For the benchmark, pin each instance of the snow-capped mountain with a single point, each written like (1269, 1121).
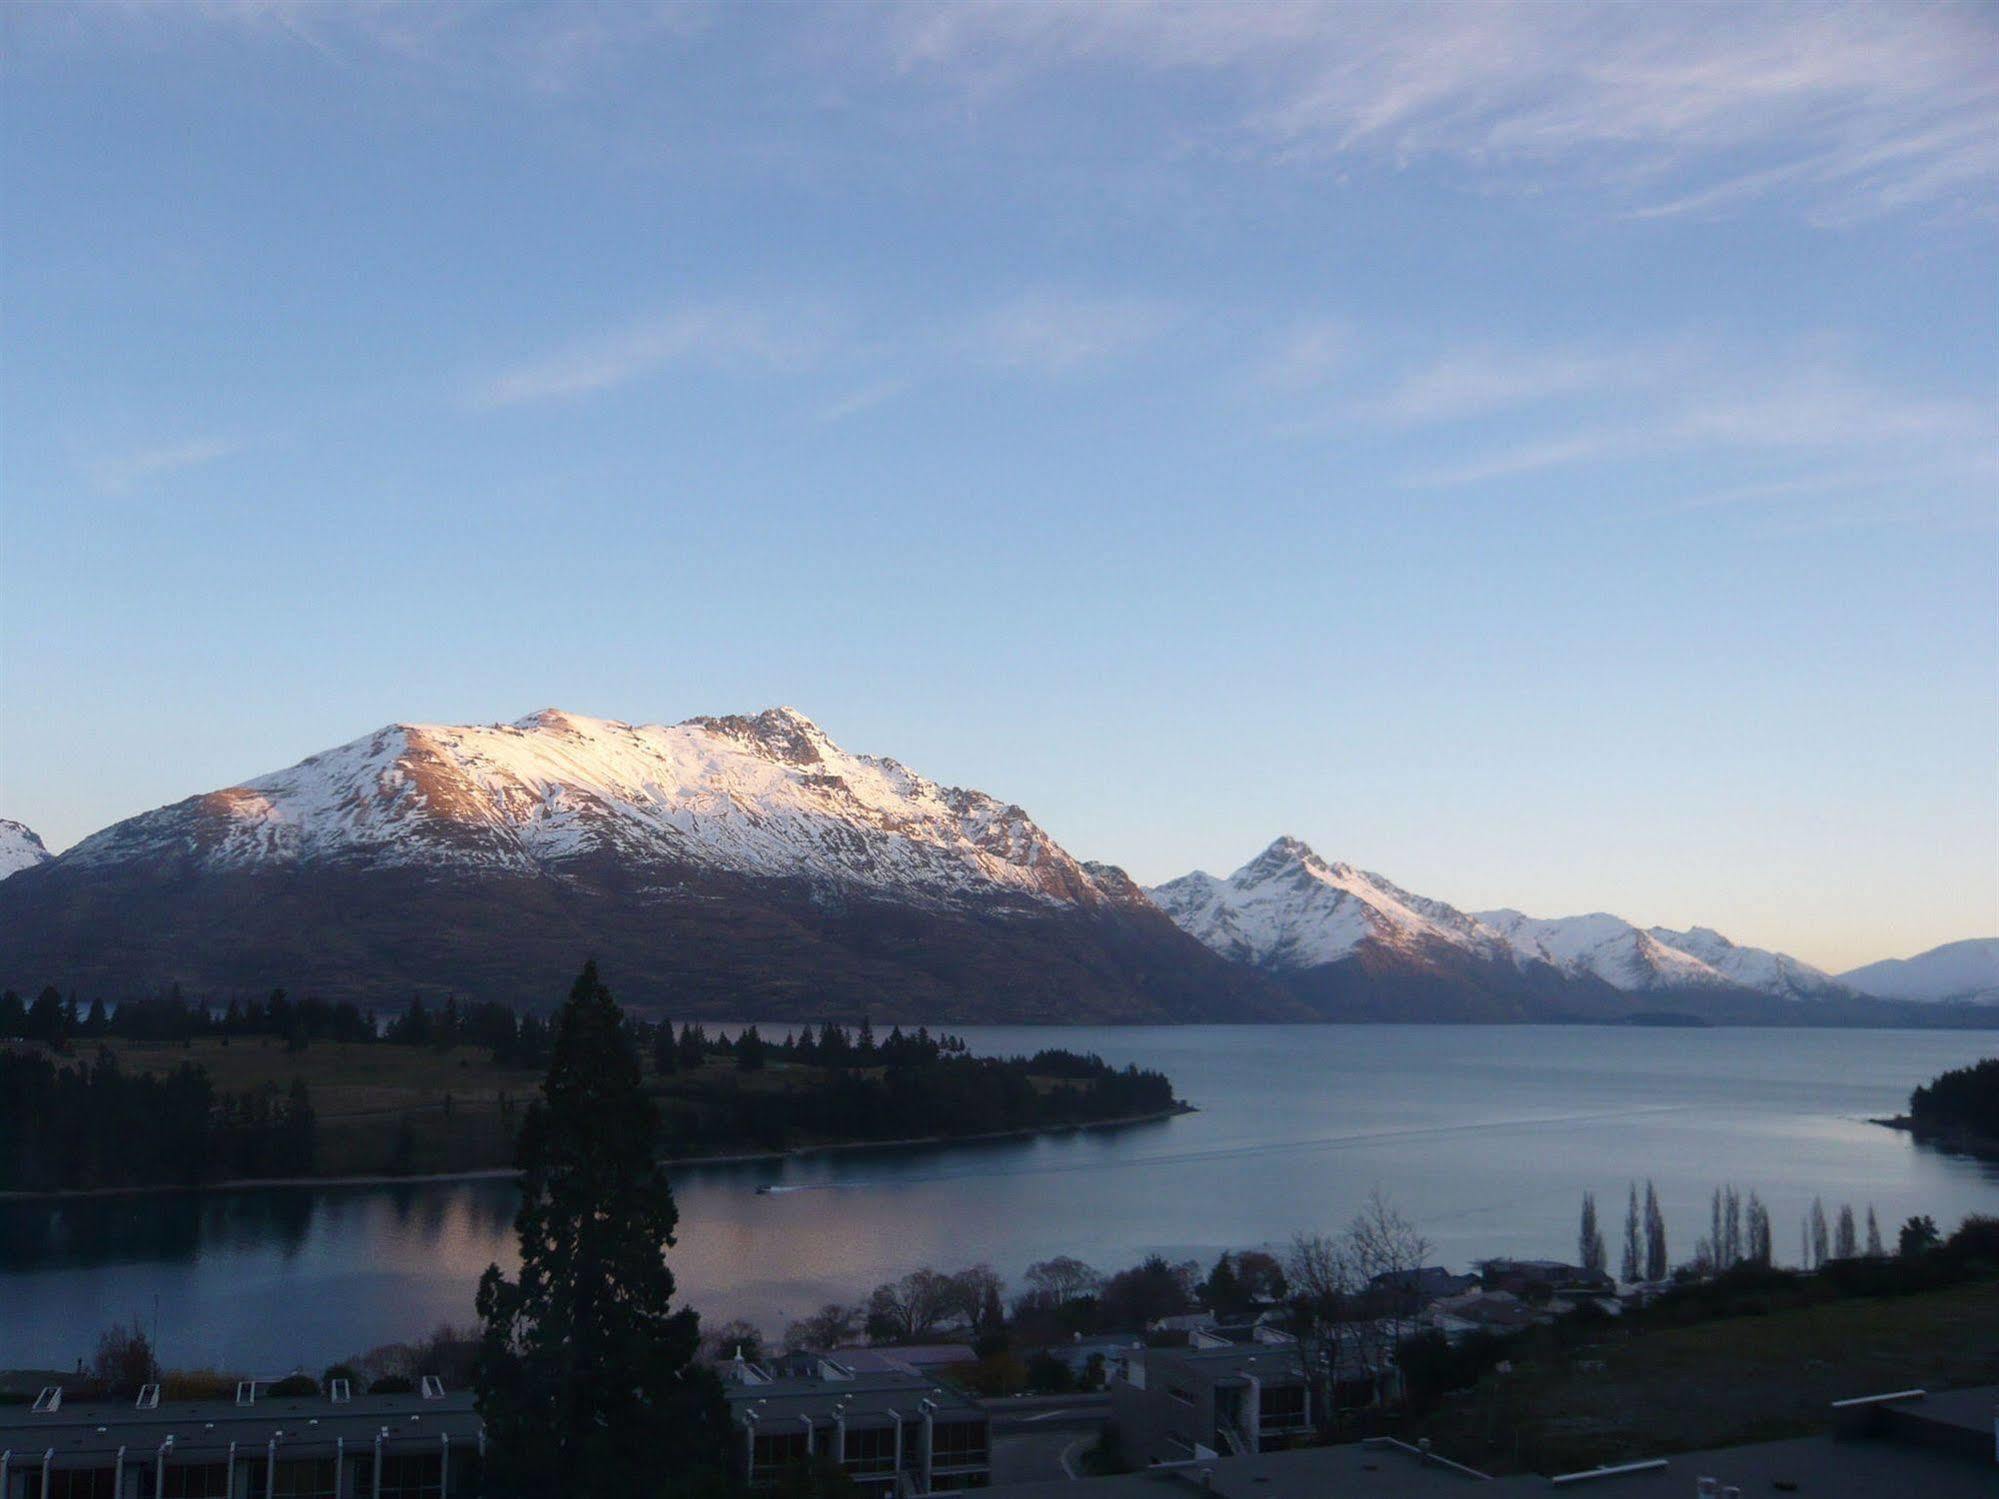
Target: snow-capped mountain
(1288, 911)
(20, 847)
(722, 866)
(763, 796)
(1962, 971)
(1638, 959)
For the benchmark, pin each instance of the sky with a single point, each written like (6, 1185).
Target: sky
(1544, 454)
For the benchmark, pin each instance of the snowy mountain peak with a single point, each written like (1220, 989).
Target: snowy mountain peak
(1289, 910)
(1958, 971)
(20, 847)
(766, 794)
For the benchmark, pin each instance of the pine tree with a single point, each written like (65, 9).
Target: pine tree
(1657, 1263)
(587, 1376)
(1634, 1254)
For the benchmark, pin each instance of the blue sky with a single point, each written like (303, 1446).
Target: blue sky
(1544, 454)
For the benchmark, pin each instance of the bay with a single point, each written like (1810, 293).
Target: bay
(1485, 1136)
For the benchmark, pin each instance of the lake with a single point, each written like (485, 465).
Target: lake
(1485, 1136)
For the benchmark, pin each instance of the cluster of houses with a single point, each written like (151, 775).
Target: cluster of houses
(1220, 1406)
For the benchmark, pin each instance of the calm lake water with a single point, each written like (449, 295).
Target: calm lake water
(1486, 1136)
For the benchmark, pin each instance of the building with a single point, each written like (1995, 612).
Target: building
(894, 1432)
(425, 1445)
(1177, 1404)
(1909, 1443)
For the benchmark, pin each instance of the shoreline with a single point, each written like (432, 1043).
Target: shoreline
(1952, 1141)
(497, 1173)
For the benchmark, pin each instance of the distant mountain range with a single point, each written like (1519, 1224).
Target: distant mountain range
(1959, 971)
(750, 866)
(1353, 943)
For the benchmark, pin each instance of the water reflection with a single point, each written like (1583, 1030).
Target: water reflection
(1486, 1137)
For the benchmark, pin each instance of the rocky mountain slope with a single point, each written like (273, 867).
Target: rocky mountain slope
(1957, 971)
(20, 847)
(722, 866)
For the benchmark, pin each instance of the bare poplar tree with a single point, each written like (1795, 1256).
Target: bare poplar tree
(1657, 1263)
(1731, 1229)
(1757, 1232)
(1634, 1255)
(1590, 1250)
(1874, 1249)
(1821, 1250)
(1845, 1242)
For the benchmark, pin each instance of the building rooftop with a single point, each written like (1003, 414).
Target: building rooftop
(871, 1393)
(1308, 1473)
(1265, 1359)
(305, 1425)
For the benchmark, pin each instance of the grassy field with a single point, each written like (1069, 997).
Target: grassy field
(1752, 1378)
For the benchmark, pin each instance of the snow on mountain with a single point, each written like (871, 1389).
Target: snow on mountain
(1288, 909)
(765, 795)
(20, 847)
(1752, 967)
(1956, 971)
(1607, 946)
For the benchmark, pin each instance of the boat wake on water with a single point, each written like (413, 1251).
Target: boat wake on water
(1232, 1152)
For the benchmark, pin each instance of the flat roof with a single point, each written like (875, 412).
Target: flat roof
(303, 1426)
(1818, 1467)
(1822, 1467)
(1306, 1473)
(1237, 1359)
(867, 1396)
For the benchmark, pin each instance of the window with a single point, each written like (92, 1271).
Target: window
(776, 1451)
(81, 1483)
(196, 1481)
(871, 1451)
(959, 1444)
(1284, 1406)
(307, 1478)
(413, 1475)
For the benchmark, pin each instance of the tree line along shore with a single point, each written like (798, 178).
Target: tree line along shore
(163, 1093)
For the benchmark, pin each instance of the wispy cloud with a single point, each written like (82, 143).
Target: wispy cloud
(1057, 333)
(535, 48)
(860, 399)
(121, 473)
(1605, 407)
(719, 336)
(1691, 108)
(1307, 355)
(1479, 382)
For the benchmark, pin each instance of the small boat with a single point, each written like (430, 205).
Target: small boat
(763, 1191)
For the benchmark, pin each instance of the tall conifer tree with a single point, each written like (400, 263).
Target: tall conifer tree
(587, 1378)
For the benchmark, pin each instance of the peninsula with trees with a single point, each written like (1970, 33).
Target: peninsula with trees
(166, 1093)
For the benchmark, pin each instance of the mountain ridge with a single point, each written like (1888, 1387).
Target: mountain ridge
(731, 861)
